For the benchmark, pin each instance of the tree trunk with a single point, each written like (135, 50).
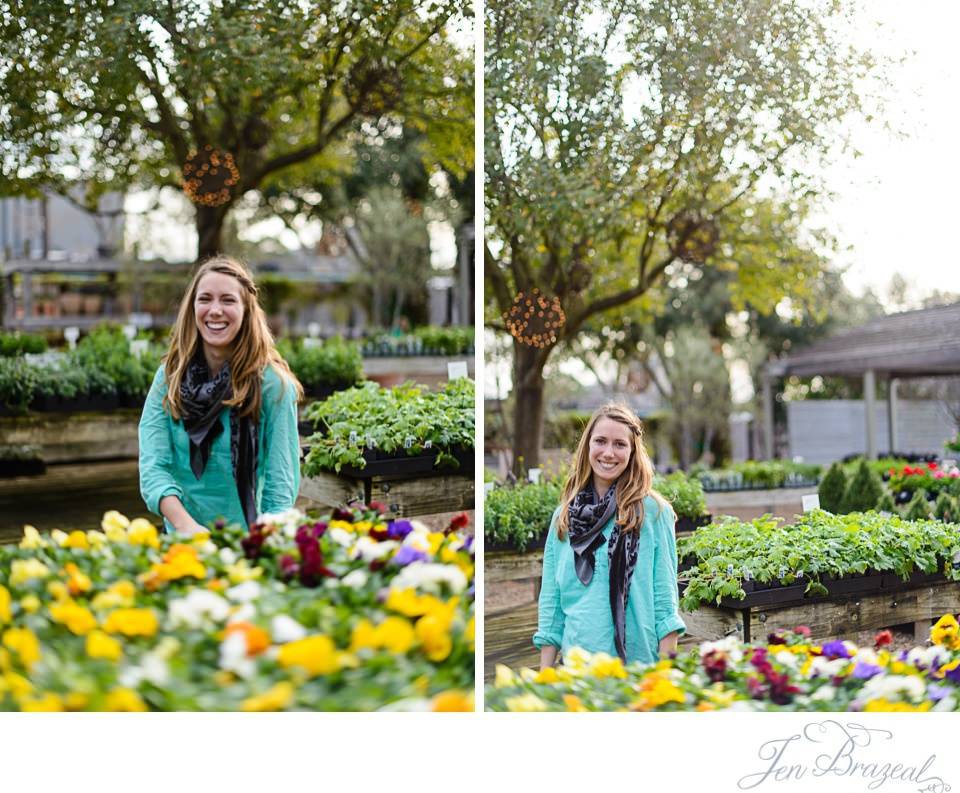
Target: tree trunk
(528, 389)
(210, 230)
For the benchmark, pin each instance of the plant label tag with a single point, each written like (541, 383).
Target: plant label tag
(310, 343)
(353, 437)
(408, 442)
(533, 475)
(456, 369)
(371, 443)
(428, 444)
(138, 347)
(811, 502)
(488, 487)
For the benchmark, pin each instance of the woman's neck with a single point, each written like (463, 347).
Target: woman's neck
(600, 487)
(215, 358)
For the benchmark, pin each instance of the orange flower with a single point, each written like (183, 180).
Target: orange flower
(257, 638)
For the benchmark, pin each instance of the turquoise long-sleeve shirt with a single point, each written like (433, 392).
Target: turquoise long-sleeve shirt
(165, 457)
(573, 615)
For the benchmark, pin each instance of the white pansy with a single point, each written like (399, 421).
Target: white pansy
(867, 655)
(152, 669)
(286, 629)
(824, 694)
(948, 704)
(287, 521)
(788, 659)
(196, 607)
(356, 579)
(730, 647)
(206, 548)
(228, 556)
(244, 613)
(928, 656)
(824, 667)
(341, 537)
(430, 576)
(892, 686)
(245, 592)
(233, 655)
(368, 549)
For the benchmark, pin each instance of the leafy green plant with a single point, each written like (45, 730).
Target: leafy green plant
(17, 380)
(758, 474)
(684, 493)
(405, 420)
(887, 504)
(833, 489)
(729, 552)
(946, 508)
(14, 344)
(516, 516)
(919, 507)
(445, 340)
(334, 363)
(864, 490)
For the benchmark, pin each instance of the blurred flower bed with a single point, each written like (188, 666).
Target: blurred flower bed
(787, 673)
(348, 612)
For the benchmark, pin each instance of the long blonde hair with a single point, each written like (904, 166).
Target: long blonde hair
(253, 347)
(634, 483)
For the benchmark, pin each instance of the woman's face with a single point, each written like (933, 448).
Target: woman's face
(611, 444)
(218, 310)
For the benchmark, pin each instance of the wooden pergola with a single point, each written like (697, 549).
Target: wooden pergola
(922, 343)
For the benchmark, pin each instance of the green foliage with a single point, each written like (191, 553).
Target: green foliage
(757, 474)
(729, 552)
(946, 508)
(402, 420)
(519, 515)
(864, 490)
(17, 381)
(334, 362)
(833, 489)
(12, 344)
(562, 430)
(684, 493)
(445, 339)
(919, 507)
(887, 504)
(104, 355)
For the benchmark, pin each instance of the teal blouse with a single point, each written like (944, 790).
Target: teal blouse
(165, 457)
(573, 615)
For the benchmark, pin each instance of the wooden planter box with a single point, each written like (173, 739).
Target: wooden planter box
(405, 496)
(508, 632)
(845, 610)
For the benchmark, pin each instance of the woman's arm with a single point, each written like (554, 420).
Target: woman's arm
(173, 510)
(281, 461)
(550, 617)
(666, 600)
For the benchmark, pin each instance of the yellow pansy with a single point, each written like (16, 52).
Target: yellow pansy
(469, 632)
(77, 540)
(395, 634)
(132, 622)
(118, 595)
(17, 685)
(547, 675)
(58, 537)
(23, 570)
(142, 532)
(125, 700)
(363, 527)
(77, 619)
(100, 645)
(5, 600)
(180, 561)
(242, 571)
(278, 697)
(47, 703)
(24, 643)
(525, 703)
(433, 633)
(657, 689)
(884, 705)
(603, 665)
(435, 540)
(58, 590)
(718, 695)
(78, 582)
(114, 525)
(503, 676)
(30, 604)
(452, 702)
(75, 701)
(32, 539)
(410, 604)
(340, 524)
(317, 655)
(946, 632)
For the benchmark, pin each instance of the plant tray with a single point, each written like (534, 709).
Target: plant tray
(687, 524)
(535, 544)
(402, 465)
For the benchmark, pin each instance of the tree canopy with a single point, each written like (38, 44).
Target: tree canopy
(110, 94)
(627, 137)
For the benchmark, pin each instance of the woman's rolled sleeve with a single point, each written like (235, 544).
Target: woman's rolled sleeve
(550, 619)
(282, 445)
(156, 451)
(666, 601)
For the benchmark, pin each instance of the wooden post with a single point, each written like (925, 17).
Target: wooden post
(768, 445)
(893, 435)
(869, 406)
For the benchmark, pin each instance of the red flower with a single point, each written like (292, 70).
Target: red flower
(715, 664)
(457, 522)
(882, 639)
(802, 630)
(378, 506)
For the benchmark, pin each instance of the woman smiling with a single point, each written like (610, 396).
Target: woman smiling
(218, 434)
(610, 561)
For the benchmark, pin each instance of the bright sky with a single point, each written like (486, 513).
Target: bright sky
(897, 204)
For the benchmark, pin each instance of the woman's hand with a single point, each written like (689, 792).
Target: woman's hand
(548, 656)
(173, 510)
(668, 644)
